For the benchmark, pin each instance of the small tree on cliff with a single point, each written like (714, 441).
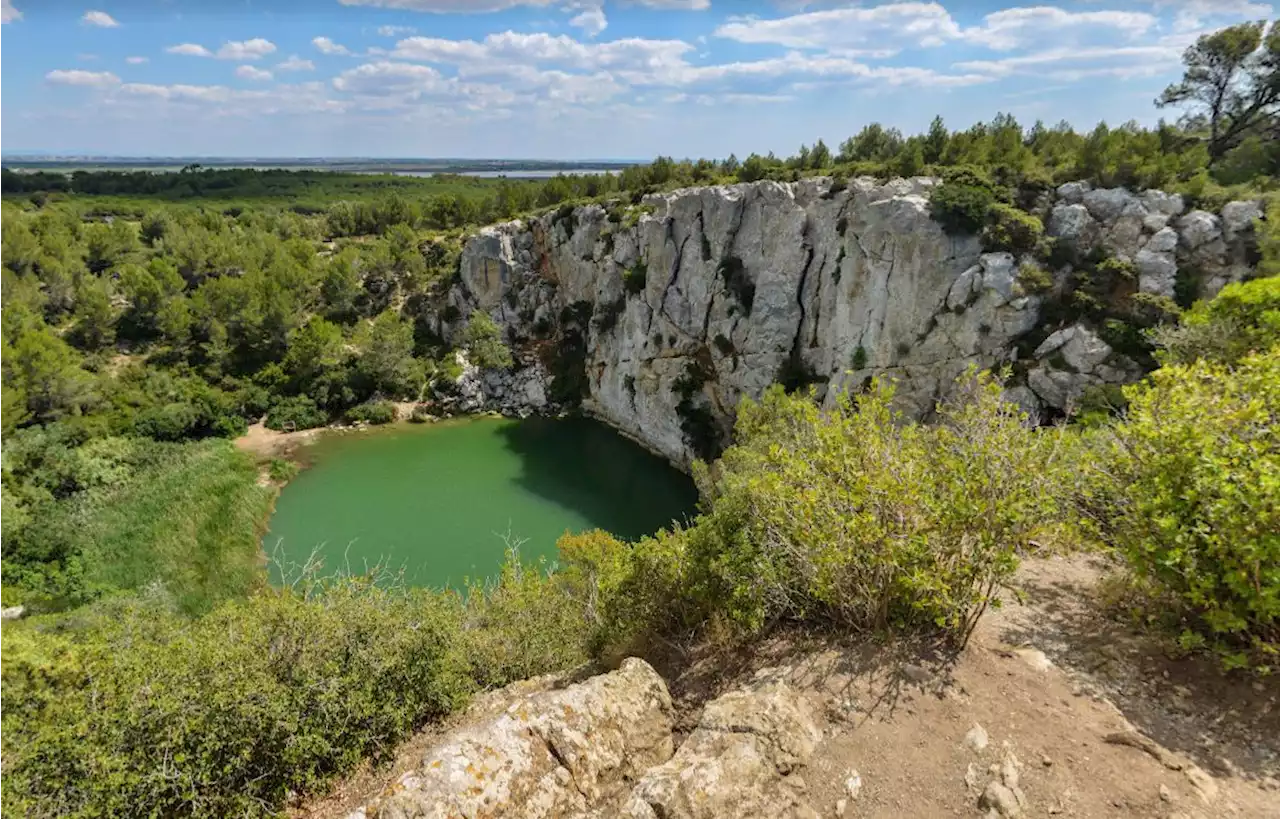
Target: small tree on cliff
(1231, 86)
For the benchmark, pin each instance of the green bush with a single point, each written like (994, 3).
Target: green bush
(521, 624)
(1190, 497)
(483, 342)
(1012, 230)
(1034, 279)
(282, 471)
(373, 412)
(298, 412)
(847, 517)
(960, 207)
(1243, 318)
(634, 278)
(136, 711)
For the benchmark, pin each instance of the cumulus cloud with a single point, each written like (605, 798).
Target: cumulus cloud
(99, 18)
(592, 21)
(254, 49)
(1021, 27)
(189, 50)
(8, 13)
(883, 30)
(87, 79)
(295, 63)
(326, 46)
(241, 50)
(249, 72)
(135, 60)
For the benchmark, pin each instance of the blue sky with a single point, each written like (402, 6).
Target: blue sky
(568, 79)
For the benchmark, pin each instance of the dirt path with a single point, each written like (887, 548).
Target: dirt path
(268, 443)
(1092, 718)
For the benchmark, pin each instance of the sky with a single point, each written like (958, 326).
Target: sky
(568, 79)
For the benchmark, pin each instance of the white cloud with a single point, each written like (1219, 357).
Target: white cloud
(135, 60)
(1071, 64)
(88, 79)
(882, 30)
(189, 50)
(879, 28)
(8, 13)
(1020, 27)
(240, 50)
(248, 72)
(327, 46)
(395, 31)
(295, 63)
(538, 48)
(592, 21)
(100, 19)
(1195, 16)
(254, 49)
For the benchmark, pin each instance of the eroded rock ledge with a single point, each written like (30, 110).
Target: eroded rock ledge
(663, 315)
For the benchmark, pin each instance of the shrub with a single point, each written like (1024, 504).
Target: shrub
(282, 471)
(634, 278)
(298, 412)
(421, 414)
(483, 342)
(1011, 229)
(846, 517)
(859, 359)
(141, 712)
(1033, 278)
(377, 411)
(961, 207)
(522, 624)
(1190, 497)
(1243, 318)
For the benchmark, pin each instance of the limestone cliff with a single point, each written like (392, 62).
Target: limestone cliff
(662, 316)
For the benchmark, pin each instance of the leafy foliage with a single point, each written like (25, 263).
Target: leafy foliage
(483, 341)
(1243, 318)
(1190, 496)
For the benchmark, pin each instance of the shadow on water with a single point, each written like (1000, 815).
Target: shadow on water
(584, 466)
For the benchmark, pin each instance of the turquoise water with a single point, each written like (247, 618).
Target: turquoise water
(437, 500)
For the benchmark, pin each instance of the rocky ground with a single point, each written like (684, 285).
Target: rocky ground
(1054, 709)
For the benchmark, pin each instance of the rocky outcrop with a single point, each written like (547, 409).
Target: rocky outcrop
(663, 315)
(550, 755)
(604, 748)
(743, 759)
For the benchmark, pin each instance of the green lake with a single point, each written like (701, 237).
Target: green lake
(436, 500)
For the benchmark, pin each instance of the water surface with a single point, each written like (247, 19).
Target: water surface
(437, 499)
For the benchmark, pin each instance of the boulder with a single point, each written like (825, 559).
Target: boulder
(550, 754)
(1073, 192)
(1106, 204)
(1073, 227)
(1198, 229)
(743, 759)
(1238, 218)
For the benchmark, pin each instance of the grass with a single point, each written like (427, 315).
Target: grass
(192, 522)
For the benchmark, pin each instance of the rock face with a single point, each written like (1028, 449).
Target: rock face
(550, 755)
(604, 748)
(664, 315)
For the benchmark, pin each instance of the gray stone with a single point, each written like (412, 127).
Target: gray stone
(1073, 192)
(1073, 227)
(741, 760)
(1238, 217)
(1199, 228)
(1106, 204)
(1167, 204)
(550, 754)
(976, 739)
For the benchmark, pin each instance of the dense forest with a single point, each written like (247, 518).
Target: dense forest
(149, 318)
